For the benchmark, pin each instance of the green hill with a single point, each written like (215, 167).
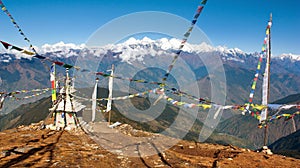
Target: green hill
(288, 146)
(245, 127)
(26, 114)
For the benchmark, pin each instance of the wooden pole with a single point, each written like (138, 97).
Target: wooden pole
(109, 112)
(109, 116)
(294, 125)
(268, 93)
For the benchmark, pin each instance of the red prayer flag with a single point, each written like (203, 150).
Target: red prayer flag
(6, 45)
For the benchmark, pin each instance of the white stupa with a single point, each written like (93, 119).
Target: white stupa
(66, 108)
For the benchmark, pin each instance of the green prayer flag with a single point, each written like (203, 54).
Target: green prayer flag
(68, 66)
(16, 48)
(203, 2)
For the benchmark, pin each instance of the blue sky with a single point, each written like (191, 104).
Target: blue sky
(231, 23)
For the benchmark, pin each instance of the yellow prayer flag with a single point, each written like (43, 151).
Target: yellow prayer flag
(180, 103)
(258, 107)
(53, 95)
(28, 52)
(205, 106)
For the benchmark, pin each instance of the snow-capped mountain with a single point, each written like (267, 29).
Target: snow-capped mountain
(135, 49)
(291, 57)
(130, 50)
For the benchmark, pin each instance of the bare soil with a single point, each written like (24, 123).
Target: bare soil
(29, 146)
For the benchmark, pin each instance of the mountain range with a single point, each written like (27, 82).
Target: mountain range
(20, 72)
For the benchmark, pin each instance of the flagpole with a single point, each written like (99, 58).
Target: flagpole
(94, 100)
(268, 91)
(66, 96)
(110, 94)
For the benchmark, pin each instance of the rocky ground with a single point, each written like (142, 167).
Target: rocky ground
(100, 146)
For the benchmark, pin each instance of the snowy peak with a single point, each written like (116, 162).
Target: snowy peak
(173, 44)
(131, 49)
(290, 56)
(163, 43)
(136, 49)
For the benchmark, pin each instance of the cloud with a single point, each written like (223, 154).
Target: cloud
(60, 46)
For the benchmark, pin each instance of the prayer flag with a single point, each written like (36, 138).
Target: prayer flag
(53, 82)
(203, 2)
(16, 48)
(67, 66)
(6, 45)
(110, 90)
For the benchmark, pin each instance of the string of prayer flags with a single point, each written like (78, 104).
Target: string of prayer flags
(62, 64)
(183, 41)
(287, 117)
(23, 91)
(31, 96)
(262, 54)
(117, 98)
(129, 79)
(4, 95)
(59, 63)
(12, 47)
(4, 9)
(255, 108)
(277, 117)
(187, 105)
(266, 76)
(181, 93)
(155, 91)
